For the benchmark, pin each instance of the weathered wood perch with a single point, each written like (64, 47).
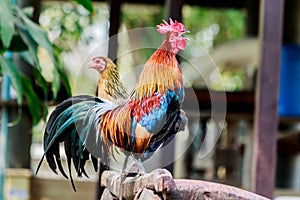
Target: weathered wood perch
(159, 184)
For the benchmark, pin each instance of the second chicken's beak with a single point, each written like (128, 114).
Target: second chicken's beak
(91, 65)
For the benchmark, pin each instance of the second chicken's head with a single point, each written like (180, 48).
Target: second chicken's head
(98, 63)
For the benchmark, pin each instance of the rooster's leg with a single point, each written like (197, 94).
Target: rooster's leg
(123, 176)
(136, 167)
(140, 165)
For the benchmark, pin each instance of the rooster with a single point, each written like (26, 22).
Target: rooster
(91, 127)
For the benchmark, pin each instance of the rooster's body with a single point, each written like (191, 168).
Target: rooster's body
(139, 125)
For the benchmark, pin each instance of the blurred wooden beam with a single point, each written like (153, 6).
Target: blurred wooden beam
(236, 102)
(265, 122)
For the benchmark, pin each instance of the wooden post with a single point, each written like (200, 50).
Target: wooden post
(252, 7)
(265, 122)
(174, 9)
(114, 23)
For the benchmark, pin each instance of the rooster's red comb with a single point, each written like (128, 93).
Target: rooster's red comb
(164, 27)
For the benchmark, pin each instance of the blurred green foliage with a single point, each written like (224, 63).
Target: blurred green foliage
(209, 27)
(138, 16)
(219, 25)
(71, 29)
(222, 24)
(66, 22)
(20, 35)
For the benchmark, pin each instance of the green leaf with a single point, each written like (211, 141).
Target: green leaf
(26, 56)
(6, 22)
(39, 78)
(65, 82)
(34, 36)
(87, 4)
(28, 11)
(36, 32)
(32, 48)
(31, 57)
(33, 100)
(11, 70)
(42, 82)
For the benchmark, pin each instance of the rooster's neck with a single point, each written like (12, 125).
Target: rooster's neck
(164, 56)
(161, 71)
(166, 46)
